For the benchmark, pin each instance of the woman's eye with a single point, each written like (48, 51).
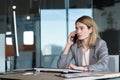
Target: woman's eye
(76, 28)
(81, 28)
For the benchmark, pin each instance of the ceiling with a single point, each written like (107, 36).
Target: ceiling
(22, 6)
(32, 6)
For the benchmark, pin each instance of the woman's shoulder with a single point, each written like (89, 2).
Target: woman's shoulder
(100, 42)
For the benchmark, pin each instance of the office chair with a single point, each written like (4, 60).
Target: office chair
(113, 63)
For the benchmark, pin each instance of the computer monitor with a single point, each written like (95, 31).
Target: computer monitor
(2, 53)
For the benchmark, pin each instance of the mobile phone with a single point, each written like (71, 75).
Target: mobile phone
(75, 38)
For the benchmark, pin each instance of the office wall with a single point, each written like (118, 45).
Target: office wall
(108, 22)
(107, 17)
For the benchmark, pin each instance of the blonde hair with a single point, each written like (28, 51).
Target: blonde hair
(90, 23)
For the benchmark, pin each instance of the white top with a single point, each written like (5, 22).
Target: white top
(85, 58)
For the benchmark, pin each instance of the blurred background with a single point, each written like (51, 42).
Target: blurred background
(43, 27)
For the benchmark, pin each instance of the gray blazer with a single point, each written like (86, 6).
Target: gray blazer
(98, 60)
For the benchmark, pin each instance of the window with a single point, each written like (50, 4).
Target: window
(28, 37)
(8, 38)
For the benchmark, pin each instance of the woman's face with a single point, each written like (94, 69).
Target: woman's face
(82, 31)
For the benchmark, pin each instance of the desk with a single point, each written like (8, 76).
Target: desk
(52, 76)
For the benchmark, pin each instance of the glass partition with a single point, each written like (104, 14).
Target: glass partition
(53, 34)
(57, 21)
(27, 19)
(50, 21)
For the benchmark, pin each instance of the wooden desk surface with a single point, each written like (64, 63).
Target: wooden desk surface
(52, 76)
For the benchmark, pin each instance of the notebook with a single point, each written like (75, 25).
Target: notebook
(57, 70)
(75, 75)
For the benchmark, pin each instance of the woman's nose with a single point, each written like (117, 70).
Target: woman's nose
(78, 31)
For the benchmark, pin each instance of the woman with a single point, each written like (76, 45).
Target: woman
(90, 52)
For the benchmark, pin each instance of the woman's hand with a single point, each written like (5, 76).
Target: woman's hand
(70, 37)
(69, 42)
(72, 66)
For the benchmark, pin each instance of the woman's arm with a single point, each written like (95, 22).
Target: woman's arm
(66, 54)
(100, 61)
(69, 42)
(83, 68)
(102, 57)
(64, 60)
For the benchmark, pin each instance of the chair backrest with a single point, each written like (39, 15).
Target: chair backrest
(25, 60)
(113, 63)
